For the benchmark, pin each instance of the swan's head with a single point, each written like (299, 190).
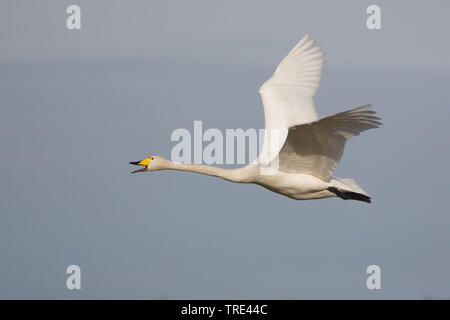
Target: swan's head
(151, 163)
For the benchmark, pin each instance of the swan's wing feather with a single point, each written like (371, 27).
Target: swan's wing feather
(316, 148)
(288, 95)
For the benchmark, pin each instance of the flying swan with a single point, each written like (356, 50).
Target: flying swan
(300, 150)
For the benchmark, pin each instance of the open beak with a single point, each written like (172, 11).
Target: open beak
(144, 163)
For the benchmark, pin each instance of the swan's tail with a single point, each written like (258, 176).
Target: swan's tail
(347, 189)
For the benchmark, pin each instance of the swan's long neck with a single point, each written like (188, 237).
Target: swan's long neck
(243, 175)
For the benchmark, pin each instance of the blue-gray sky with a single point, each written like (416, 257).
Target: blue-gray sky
(77, 106)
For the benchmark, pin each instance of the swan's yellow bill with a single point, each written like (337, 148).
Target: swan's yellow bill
(144, 163)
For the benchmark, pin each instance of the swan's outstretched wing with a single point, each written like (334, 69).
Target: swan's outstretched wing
(316, 148)
(288, 95)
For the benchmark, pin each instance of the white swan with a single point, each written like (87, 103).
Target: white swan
(299, 159)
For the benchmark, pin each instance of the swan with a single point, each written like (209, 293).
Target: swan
(300, 150)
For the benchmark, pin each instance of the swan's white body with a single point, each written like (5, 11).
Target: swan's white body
(296, 185)
(300, 151)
